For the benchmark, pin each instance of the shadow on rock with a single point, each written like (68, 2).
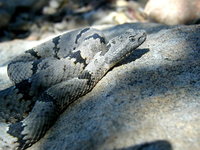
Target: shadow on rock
(137, 54)
(155, 145)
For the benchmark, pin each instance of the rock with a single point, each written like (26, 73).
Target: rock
(17, 17)
(9, 7)
(25, 18)
(173, 12)
(149, 101)
(6, 12)
(31, 5)
(124, 12)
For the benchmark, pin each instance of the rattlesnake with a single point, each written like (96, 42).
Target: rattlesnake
(52, 75)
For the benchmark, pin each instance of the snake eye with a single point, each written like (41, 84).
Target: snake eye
(132, 38)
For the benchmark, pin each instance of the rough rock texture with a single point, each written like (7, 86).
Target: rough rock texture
(149, 101)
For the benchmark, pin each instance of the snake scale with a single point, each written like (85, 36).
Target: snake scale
(49, 77)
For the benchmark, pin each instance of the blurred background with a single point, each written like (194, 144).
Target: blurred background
(37, 19)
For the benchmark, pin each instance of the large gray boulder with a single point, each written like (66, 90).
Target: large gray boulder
(149, 101)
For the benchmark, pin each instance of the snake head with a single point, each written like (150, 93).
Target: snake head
(123, 45)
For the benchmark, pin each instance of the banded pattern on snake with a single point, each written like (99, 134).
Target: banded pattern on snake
(49, 77)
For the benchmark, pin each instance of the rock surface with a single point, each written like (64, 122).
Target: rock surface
(8, 8)
(173, 12)
(149, 101)
(34, 19)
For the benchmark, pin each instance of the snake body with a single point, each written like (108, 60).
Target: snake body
(49, 77)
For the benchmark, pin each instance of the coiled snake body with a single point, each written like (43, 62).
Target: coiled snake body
(52, 75)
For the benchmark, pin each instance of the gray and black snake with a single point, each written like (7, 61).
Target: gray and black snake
(52, 75)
